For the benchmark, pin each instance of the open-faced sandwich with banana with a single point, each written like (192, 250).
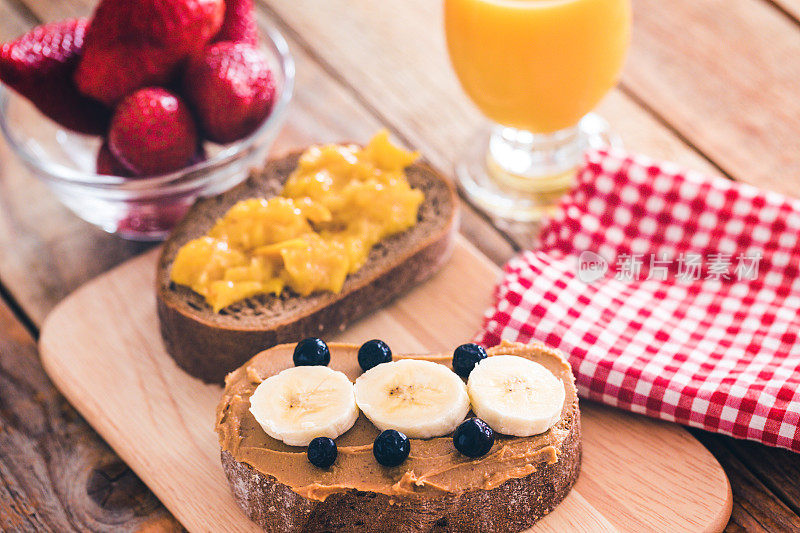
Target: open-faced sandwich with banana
(342, 437)
(306, 245)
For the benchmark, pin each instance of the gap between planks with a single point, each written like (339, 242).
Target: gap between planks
(399, 133)
(789, 8)
(518, 236)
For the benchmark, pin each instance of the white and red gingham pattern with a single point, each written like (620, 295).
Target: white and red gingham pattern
(718, 354)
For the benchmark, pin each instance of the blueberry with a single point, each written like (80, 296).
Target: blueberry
(391, 448)
(311, 352)
(473, 437)
(322, 452)
(372, 353)
(466, 357)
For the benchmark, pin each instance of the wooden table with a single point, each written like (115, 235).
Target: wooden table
(711, 84)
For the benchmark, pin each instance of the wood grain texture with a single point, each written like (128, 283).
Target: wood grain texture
(398, 67)
(56, 474)
(117, 340)
(752, 512)
(776, 468)
(52, 244)
(724, 74)
(393, 56)
(363, 50)
(791, 8)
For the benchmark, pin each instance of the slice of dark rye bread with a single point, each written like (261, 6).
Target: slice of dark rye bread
(267, 497)
(511, 507)
(208, 345)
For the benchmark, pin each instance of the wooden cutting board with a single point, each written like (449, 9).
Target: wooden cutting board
(102, 348)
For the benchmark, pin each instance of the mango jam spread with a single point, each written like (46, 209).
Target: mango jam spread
(338, 203)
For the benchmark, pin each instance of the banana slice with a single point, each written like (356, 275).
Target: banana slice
(304, 402)
(515, 396)
(419, 398)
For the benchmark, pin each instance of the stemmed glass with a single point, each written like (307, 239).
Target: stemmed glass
(535, 68)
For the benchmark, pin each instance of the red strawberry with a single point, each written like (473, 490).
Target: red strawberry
(132, 44)
(199, 156)
(239, 25)
(147, 221)
(39, 66)
(152, 132)
(231, 89)
(109, 165)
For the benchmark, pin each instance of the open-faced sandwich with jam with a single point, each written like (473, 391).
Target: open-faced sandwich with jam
(306, 245)
(342, 437)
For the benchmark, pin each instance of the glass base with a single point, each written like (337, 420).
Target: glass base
(518, 175)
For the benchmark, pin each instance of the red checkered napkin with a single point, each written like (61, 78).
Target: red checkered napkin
(695, 319)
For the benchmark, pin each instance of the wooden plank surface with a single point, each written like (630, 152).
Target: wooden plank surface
(399, 67)
(725, 74)
(752, 512)
(161, 422)
(791, 8)
(51, 247)
(56, 474)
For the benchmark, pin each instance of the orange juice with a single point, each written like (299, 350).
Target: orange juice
(537, 65)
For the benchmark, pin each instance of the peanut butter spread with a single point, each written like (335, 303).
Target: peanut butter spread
(434, 467)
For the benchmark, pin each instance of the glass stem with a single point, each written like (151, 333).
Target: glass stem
(520, 176)
(525, 158)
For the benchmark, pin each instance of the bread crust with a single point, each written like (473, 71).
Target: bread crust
(208, 348)
(512, 506)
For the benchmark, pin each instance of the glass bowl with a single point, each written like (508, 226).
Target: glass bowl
(141, 208)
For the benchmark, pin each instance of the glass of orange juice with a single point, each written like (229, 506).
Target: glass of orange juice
(536, 68)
